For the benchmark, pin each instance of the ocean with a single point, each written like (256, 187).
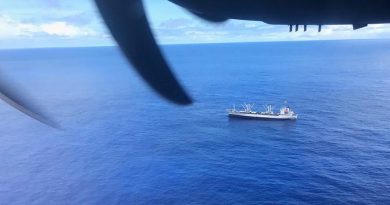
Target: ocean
(123, 144)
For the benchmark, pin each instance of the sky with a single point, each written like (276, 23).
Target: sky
(76, 23)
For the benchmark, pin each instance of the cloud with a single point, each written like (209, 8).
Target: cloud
(11, 28)
(51, 3)
(178, 23)
(65, 30)
(193, 30)
(75, 18)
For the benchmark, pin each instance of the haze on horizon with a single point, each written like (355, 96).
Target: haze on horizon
(51, 23)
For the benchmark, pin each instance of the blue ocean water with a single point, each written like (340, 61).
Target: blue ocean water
(122, 144)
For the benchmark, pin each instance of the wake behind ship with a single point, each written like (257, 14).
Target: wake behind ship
(285, 113)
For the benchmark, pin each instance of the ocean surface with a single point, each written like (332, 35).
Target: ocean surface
(123, 144)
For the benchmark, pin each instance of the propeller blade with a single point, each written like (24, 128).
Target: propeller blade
(11, 96)
(129, 26)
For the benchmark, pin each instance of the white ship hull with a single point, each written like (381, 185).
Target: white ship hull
(261, 116)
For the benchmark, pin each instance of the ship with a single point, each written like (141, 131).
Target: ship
(285, 113)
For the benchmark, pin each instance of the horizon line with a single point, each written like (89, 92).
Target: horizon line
(201, 43)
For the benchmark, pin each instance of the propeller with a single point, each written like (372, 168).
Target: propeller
(129, 26)
(14, 98)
